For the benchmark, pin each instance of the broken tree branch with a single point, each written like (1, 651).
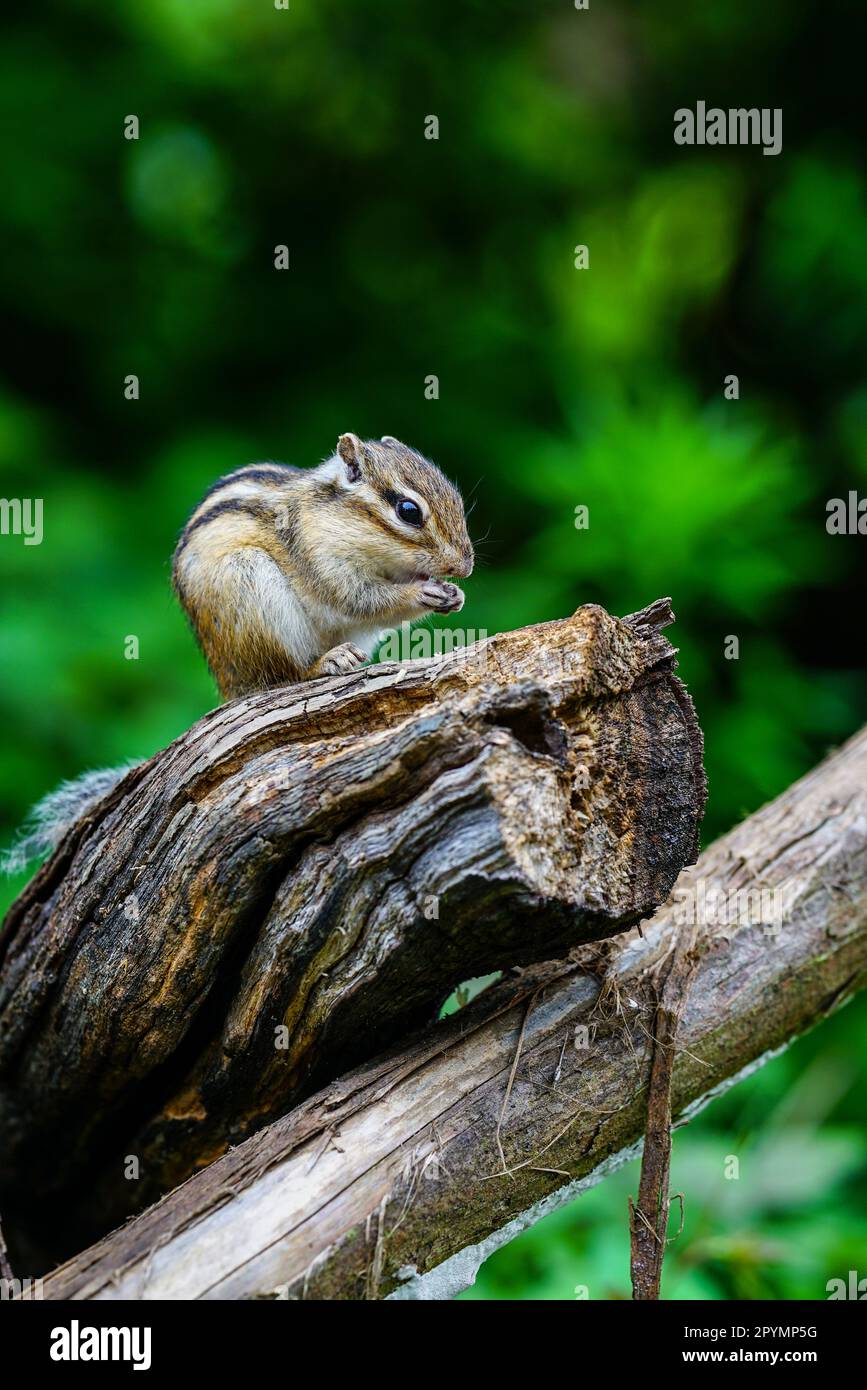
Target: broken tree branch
(304, 876)
(390, 1182)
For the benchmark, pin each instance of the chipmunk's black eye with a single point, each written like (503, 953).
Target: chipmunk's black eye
(409, 511)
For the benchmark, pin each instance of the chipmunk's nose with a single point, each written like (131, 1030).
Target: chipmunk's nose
(463, 566)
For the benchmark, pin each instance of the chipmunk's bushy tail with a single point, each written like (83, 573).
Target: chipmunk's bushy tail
(51, 817)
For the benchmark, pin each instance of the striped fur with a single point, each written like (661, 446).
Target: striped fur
(280, 568)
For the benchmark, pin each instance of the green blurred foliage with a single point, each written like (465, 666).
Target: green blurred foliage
(559, 388)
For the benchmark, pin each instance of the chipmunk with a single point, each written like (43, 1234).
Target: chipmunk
(288, 573)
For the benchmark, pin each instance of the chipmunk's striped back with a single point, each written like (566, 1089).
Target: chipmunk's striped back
(279, 568)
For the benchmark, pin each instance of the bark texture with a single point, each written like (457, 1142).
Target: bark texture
(304, 876)
(398, 1178)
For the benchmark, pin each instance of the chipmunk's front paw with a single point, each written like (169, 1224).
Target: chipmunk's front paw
(442, 597)
(340, 661)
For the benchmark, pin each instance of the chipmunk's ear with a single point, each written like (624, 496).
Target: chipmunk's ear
(351, 450)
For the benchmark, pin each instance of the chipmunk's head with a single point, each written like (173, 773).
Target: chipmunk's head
(399, 512)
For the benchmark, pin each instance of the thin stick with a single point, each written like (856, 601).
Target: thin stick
(516, 1059)
(649, 1215)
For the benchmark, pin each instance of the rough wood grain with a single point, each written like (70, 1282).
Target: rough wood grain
(305, 875)
(390, 1181)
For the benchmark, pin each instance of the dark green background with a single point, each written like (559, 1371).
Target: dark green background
(557, 387)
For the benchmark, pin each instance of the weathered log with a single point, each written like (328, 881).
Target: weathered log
(306, 874)
(399, 1178)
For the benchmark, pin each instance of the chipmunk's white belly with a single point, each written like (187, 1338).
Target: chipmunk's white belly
(329, 628)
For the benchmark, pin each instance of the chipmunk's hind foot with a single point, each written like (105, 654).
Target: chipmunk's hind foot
(339, 661)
